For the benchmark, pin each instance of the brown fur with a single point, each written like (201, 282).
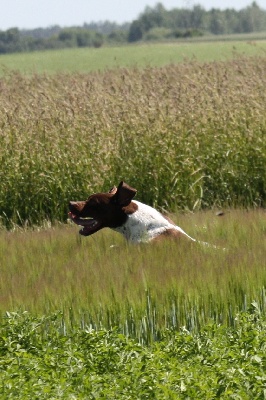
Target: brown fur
(168, 234)
(104, 209)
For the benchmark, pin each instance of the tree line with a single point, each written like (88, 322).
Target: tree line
(158, 22)
(155, 23)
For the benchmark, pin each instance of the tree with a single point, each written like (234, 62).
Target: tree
(84, 38)
(252, 19)
(12, 35)
(153, 17)
(68, 37)
(136, 31)
(10, 41)
(197, 17)
(149, 19)
(118, 36)
(216, 24)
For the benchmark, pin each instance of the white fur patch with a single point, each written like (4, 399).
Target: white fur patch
(146, 224)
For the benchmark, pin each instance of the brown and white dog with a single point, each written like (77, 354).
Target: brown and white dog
(136, 221)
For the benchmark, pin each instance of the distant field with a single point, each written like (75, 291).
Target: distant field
(87, 59)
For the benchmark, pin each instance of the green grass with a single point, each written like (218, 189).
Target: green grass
(174, 320)
(87, 60)
(140, 289)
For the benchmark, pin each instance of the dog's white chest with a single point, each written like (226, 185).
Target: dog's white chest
(144, 224)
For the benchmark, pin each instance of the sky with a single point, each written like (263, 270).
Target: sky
(30, 14)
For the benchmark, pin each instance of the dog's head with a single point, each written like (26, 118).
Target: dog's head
(103, 210)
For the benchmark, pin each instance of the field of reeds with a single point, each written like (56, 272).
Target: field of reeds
(187, 136)
(81, 319)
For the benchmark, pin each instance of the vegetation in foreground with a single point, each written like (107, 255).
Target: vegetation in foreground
(173, 321)
(218, 362)
(186, 136)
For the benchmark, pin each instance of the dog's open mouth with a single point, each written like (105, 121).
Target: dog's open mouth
(89, 225)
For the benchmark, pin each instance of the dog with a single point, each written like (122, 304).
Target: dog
(116, 209)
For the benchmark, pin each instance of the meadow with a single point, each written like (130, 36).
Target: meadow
(86, 60)
(81, 319)
(101, 281)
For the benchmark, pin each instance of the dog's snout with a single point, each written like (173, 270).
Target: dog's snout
(76, 205)
(73, 206)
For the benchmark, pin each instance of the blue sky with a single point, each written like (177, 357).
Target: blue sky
(33, 13)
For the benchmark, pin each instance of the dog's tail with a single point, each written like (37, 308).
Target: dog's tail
(184, 233)
(212, 246)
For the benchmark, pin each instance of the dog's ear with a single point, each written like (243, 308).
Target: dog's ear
(124, 194)
(113, 190)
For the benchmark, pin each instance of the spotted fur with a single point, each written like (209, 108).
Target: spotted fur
(147, 224)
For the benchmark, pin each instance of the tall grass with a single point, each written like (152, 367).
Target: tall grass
(186, 136)
(142, 290)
